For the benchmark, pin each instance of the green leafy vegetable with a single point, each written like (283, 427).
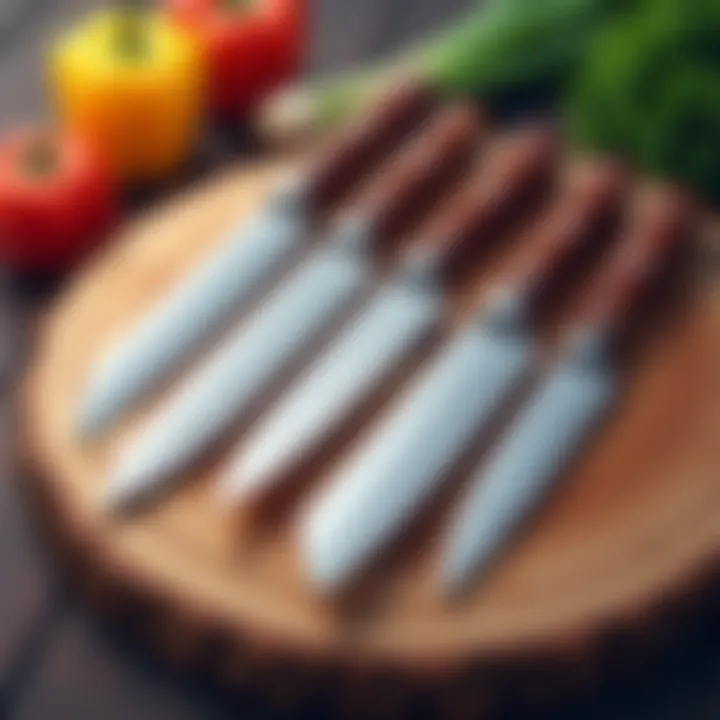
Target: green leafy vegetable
(650, 92)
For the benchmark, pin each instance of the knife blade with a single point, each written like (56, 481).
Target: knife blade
(395, 319)
(391, 475)
(182, 321)
(573, 399)
(207, 403)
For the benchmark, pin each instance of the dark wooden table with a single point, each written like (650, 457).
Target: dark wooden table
(56, 660)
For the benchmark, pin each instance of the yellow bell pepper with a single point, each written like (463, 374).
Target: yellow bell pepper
(131, 83)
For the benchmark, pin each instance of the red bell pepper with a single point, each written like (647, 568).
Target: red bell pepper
(251, 46)
(56, 199)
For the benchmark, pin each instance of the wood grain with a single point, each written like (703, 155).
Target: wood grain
(620, 551)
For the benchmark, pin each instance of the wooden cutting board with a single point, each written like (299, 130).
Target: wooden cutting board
(616, 558)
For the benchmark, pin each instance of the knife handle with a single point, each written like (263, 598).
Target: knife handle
(358, 147)
(660, 223)
(417, 174)
(515, 164)
(591, 193)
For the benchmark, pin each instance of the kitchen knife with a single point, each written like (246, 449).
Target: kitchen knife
(575, 396)
(182, 321)
(213, 397)
(395, 319)
(391, 474)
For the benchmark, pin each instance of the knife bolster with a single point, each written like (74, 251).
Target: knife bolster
(507, 310)
(354, 234)
(291, 195)
(589, 348)
(422, 270)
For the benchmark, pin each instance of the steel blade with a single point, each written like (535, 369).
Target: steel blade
(172, 331)
(393, 474)
(394, 322)
(536, 448)
(212, 398)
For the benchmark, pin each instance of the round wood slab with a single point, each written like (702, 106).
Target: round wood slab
(619, 551)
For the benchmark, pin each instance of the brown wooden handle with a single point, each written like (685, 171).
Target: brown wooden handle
(360, 146)
(415, 177)
(514, 165)
(660, 223)
(591, 193)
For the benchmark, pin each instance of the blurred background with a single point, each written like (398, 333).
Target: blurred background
(56, 660)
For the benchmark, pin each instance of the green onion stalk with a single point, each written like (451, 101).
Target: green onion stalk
(501, 47)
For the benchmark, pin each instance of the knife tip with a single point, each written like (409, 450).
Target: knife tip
(231, 490)
(454, 573)
(91, 419)
(253, 472)
(99, 406)
(323, 561)
(467, 556)
(129, 482)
